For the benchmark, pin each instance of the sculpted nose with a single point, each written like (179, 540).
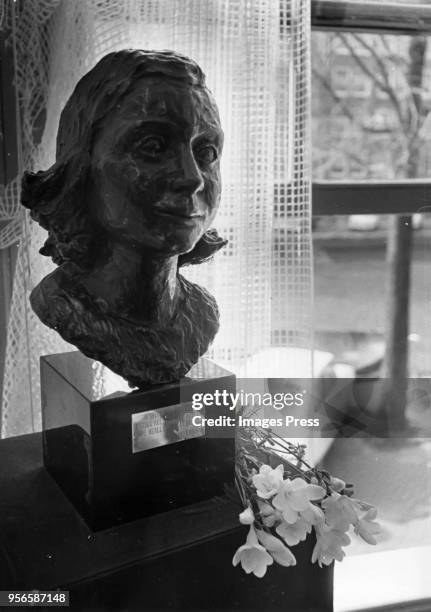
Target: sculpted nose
(189, 178)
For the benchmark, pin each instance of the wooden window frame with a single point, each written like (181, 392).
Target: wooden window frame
(362, 16)
(371, 197)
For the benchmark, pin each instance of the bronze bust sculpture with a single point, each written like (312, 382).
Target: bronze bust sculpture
(129, 200)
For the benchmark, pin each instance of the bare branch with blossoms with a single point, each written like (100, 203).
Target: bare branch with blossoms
(285, 499)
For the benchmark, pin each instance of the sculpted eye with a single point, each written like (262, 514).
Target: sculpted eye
(151, 145)
(206, 154)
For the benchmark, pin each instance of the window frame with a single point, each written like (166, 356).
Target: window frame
(400, 197)
(370, 17)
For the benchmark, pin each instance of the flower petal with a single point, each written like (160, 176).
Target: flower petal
(313, 515)
(237, 556)
(315, 492)
(290, 516)
(252, 556)
(279, 551)
(268, 481)
(294, 533)
(285, 557)
(337, 484)
(246, 517)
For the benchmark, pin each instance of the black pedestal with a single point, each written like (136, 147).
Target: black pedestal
(120, 455)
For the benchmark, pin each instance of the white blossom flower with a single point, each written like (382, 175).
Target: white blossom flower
(294, 496)
(246, 517)
(294, 533)
(313, 515)
(329, 545)
(269, 515)
(253, 556)
(268, 481)
(280, 553)
(367, 528)
(337, 484)
(340, 511)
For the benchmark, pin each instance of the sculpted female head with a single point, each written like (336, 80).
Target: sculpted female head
(131, 197)
(137, 162)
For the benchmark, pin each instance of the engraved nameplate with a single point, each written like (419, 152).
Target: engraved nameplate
(168, 425)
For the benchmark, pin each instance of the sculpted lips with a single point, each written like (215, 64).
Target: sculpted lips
(188, 220)
(180, 213)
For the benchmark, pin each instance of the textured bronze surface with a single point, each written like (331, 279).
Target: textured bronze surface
(130, 199)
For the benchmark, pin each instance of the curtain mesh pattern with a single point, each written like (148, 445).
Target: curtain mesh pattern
(255, 56)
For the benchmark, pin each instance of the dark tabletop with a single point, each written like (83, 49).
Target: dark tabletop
(180, 560)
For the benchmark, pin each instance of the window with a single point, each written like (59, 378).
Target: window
(372, 169)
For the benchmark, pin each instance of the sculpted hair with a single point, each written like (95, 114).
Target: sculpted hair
(56, 197)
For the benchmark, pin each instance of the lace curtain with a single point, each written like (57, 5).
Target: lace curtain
(255, 54)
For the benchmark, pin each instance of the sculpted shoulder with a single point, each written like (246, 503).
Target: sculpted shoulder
(52, 299)
(200, 309)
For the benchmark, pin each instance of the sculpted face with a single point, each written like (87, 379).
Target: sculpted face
(155, 177)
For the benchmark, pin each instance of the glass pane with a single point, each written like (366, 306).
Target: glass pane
(351, 290)
(351, 312)
(371, 106)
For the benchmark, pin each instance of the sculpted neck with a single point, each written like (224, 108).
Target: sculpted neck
(135, 285)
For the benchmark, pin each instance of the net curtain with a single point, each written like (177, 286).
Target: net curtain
(255, 56)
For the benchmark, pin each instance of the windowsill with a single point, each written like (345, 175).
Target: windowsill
(369, 581)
